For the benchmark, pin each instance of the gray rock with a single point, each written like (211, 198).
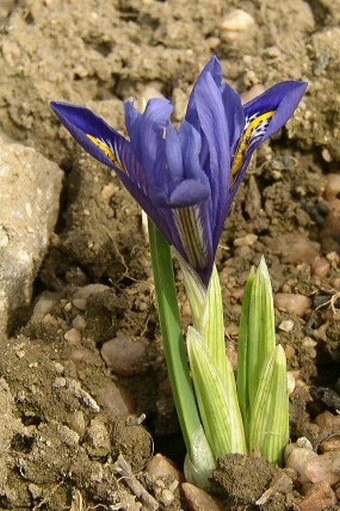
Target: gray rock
(30, 186)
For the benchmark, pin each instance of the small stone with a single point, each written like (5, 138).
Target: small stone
(125, 356)
(89, 290)
(35, 490)
(245, 241)
(325, 467)
(332, 188)
(186, 313)
(331, 444)
(289, 351)
(117, 401)
(293, 303)
(59, 382)
(291, 383)
(108, 191)
(287, 325)
(98, 438)
(73, 336)
(237, 20)
(297, 459)
(326, 155)
(311, 467)
(80, 303)
(320, 267)
(79, 322)
(199, 500)
(160, 467)
(166, 497)
(294, 248)
(319, 498)
(76, 421)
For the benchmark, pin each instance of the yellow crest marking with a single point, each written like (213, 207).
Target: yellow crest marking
(107, 149)
(255, 127)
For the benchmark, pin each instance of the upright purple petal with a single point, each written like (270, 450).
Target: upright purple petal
(147, 129)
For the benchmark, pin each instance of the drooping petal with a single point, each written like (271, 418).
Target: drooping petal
(93, 134)
(265, 115)
(283, 99)
(111, 148)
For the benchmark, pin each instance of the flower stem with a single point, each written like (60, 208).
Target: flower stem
(174, 346)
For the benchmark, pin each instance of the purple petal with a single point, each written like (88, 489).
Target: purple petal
(282, 99)
(188, 193)
(191, 144)
(101, 141)
(86, 127)
(234, 114)
(214, 69)
(147, 129)
(174, 158)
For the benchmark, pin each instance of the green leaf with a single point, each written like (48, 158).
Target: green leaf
(216, 397)
(269, 426)
(257, 336)
(174, 345)
(207, 310)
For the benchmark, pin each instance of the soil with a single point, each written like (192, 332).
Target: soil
(68, 413)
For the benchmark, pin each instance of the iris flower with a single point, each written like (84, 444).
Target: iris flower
(186, 179)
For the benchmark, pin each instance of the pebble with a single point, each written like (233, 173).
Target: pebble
(328, 422)
(287, 325)
(79, 322)
(245, 241)
(312, 467)
(291, 383)
(295, 248)
(76, 421)
(73, 336)
(320, 267)
(151, 91)
(117, 401)
(237, 20)
(44, 305)
(83, 293)
(98, 437)
(332, 188)
(160, 466)
(166, 497)
(200, 500)
(108, 191)
(330, 444)
(319, 498)
(293, 303)
(125, 356)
